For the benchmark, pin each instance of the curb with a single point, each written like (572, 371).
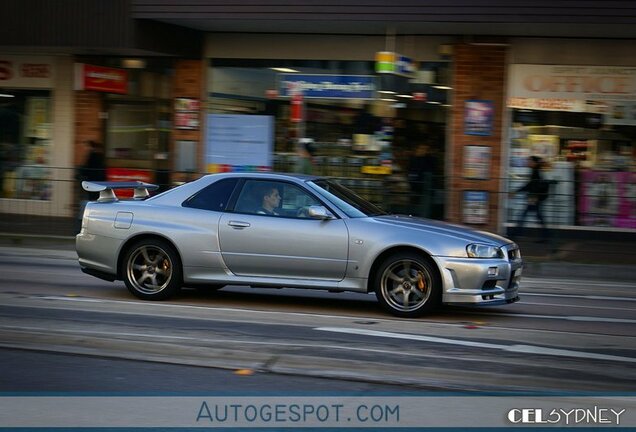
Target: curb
(564, 270)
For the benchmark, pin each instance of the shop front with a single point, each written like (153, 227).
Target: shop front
(362, 127)
(581, 121)
(128, 109)
(34, 125)
(26, 92)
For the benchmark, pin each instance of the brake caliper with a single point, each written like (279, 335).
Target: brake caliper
(420, 281)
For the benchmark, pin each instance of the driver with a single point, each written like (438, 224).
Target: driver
(271, 200)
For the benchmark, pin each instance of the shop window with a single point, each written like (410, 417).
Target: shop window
(590, 160)
(366, 139)
(25, 144)
(129, 131)
(138, 130)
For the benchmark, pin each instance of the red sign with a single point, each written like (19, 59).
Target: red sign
(102, 79)
(297, 111)
(419, 96)
(127, 175)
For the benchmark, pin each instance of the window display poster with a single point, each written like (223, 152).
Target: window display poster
(238, 142)
(186, 120)
(519, 160)
(478, 117)
(37, 111)
(182, 104)
(475, 207)
(608, 198)
(477, 162)
(544, 146)
(186, 113)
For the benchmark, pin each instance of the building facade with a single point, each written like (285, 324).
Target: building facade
(484, 88)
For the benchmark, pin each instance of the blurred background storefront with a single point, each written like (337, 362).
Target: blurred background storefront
(577, 110)
(474, 91)
(364, 125)
(126, 104)
(35, 124)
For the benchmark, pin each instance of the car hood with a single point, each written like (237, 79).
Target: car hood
(459, 232)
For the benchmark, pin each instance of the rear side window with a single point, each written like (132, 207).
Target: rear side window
(214, 197)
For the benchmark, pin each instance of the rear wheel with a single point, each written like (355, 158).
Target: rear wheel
(152, 270)
(407, 285)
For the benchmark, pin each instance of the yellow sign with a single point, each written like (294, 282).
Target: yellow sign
(372, 169)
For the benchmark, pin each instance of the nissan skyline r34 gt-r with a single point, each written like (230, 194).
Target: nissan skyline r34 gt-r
(286, 230)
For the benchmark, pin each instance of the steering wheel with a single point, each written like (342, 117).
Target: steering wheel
(303, 212)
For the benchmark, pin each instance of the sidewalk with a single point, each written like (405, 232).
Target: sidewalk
(593, 255)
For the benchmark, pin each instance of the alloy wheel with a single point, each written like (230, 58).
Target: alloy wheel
(149, 269)
(406, 285)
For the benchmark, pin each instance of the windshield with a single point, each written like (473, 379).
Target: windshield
(345, 199)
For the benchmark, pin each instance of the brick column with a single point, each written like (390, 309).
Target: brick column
(479, 74)
(188, 83)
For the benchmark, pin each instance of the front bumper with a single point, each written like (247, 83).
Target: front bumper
(481, 281)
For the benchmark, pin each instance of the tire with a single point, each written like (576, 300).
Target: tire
(407, 285)
(152, 270)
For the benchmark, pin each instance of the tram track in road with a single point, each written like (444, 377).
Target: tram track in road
(51, 306)
(289, 342)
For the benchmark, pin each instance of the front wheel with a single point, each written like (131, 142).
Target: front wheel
(152, 270)
(407, 285)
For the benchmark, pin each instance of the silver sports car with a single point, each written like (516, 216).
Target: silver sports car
(279, 230)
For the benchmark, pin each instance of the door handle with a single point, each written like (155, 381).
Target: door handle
(238, 224)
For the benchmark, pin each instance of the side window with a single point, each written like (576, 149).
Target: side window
(296, 201)
(214, 197)
(271, 198)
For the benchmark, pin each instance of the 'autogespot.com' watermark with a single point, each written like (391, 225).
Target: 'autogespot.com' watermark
(308, 413)
(566, 416)
(425, 411)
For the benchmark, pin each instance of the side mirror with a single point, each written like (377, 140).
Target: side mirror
(319, 212)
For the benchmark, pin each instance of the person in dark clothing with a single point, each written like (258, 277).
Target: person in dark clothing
(537, 191)
(94, 166)
(420, 177)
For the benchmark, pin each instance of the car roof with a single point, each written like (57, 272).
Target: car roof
(269, 174)
(177, 195)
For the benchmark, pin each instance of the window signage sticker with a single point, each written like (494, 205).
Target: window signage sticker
(328, 86)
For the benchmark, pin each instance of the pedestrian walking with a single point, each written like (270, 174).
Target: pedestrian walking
(537, 191)
(305, 150)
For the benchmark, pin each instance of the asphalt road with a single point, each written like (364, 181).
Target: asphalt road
(565, 335)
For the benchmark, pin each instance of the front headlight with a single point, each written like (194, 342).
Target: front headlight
(483, 251)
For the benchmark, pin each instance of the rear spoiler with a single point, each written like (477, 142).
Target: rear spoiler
(106, 189)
